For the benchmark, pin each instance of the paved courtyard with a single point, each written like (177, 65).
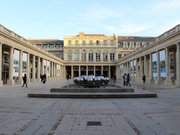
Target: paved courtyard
(20, 115)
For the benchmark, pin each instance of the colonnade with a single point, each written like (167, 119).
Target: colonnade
(34, 66)
(145, 64)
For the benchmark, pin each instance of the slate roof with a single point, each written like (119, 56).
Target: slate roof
(47, 41)
(135, 39)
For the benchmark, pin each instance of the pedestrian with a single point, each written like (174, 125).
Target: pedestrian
(24, 80)
(67, 77)
(44, 78)
(128, 80)
(124, 79)
(144, 79)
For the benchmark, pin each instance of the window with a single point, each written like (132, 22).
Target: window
(76, 42)
(83, 55)
(125, 44)
(90, 42)
(137, 44)
(69, 41)
(111, 56)
(69, 55)
(112, 42)
(91, 58)
(97, 42)
(76, 55)
(105, 42)
(83, 42)
(98, 56)
(131, 45)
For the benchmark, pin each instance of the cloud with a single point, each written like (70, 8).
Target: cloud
(100, 13)
(127, 29)
(171, 4)
(133, 28)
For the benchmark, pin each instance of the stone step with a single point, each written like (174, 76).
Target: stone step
(92, 95)
(92, 90)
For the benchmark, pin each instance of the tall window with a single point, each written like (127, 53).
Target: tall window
(90, 42)
(83, 42)
(131, 45)
(112, 42)
(137, 44)
(69, 41)
(76, 42)
(125, 44)
(76, 55)
(98, 55)
(69, 55)
(111, 56)
(105, 42)
(83, 55)
(91, 55)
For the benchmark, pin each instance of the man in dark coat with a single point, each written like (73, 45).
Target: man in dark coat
(24, 80)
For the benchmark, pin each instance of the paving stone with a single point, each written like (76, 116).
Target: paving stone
(20, 115)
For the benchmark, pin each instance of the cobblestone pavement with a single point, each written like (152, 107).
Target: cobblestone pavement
(20, 115)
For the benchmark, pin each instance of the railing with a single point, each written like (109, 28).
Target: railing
(160, 38)
(22, 39)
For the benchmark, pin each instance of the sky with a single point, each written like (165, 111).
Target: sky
(54, 19)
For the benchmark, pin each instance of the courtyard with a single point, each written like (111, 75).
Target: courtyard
(20, 115)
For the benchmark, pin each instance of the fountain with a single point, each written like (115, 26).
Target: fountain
(92, 87)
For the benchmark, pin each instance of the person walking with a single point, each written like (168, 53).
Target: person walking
(24, 80)
(124, 79)
(128, 80)
(144, 79)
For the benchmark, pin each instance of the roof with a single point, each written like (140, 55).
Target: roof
(46, 41)
(135, 38)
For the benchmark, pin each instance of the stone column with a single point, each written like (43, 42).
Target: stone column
(133, 70)
(168, 81)
(150, 69)
(94, 70)
(141, 69)
(86, 70)
(46, 67)
(158, 68)
(38, 69)
(27, 68)
(20, 68)
(33, 69)
(117, 72)
(11, 63)
(72, 72)
(101, 69)
(109, 73)
(137, 70)
(55, 70)
(52, 70)
(1, 82)
(42, 66)
(79, 70)
(178, 65)
(145, 66)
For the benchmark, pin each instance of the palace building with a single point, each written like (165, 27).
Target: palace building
(91, 54)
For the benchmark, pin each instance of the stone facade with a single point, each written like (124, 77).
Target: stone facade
(91, 54)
